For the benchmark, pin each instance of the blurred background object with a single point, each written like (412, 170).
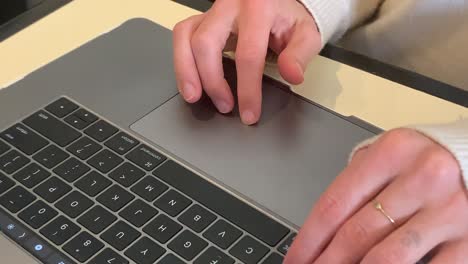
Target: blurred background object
(18, 14)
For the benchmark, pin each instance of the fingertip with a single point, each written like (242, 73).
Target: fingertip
(249, 118)
(290, 70)
(190, 93)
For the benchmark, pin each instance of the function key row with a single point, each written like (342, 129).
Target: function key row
(30, 241)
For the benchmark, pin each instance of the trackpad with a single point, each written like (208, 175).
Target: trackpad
(284, 163)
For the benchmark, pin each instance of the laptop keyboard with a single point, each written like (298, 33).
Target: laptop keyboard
(76, 189)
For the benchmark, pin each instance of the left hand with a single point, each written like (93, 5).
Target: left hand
(419, 185)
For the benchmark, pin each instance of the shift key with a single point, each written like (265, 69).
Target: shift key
(52, 128)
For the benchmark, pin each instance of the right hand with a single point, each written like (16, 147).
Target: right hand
(283, 25)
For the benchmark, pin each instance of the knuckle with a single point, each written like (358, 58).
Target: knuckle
(330, 209)
(438, 164)
(201, 42)
(354, 232)
(248, 55)
(181, 26)
(396, 137)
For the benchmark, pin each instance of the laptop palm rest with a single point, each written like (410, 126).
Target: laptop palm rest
(284, 163)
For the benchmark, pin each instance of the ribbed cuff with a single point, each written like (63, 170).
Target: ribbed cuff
(330, 17)
(453, 137)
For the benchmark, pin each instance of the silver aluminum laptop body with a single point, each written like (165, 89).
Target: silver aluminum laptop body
(279, 166)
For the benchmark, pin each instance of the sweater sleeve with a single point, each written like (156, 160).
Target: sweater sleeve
(453, 137)
(335, 17)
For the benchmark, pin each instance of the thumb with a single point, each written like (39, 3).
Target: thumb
(303, 45)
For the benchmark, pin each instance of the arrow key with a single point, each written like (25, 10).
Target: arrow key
(108, 256)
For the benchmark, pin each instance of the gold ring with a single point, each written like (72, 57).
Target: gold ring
(378, 206)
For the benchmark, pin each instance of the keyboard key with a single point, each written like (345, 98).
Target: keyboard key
(187, 245)
(221, 202)
(5, 183)
(71, 169)
(85, 115)
(50, 156)
(248, 250)
(273, 258)
(84, 148)
(101, 130)
(162, 228)
(76, 122)
(120, 235)
(105, 161)
(74, 204)
(12, 161)
(23, 138)
(3, 147)
(214, 255)
(93, 183)
(145, 157)
(284, 247)
(31, 175)
(197, 218)
(145, 251)
(61, 107)
(60, 230)
(121, 143)
(16, 199)
(115, 198)
(52, 189)
(97, 219)
(170, 259)
(37, 214)
(127, 174)
(108, 256)
(83, 246)
(172, 203)
(149, 188)
(222, 234)
(138, 213)
(52, 128)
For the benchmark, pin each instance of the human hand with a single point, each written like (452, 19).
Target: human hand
(283, 25)
(417, 182)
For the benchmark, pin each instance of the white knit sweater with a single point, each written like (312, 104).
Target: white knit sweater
(426, 36)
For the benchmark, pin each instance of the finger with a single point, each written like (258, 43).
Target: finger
(401, 199)
(353, 188)
(252, 45)
(188, 81)
(422, 233)
(300, 50)
(454, 253)
(208, 43)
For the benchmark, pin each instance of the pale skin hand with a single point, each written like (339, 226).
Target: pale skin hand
(284, 26)
(419, 184)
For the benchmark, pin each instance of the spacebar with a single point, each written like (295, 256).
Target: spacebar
(223, 203)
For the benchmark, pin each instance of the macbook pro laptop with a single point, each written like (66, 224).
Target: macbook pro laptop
(102, 162)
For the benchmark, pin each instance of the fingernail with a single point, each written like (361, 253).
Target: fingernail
(188, 92)
(222, 106)
(248, 117)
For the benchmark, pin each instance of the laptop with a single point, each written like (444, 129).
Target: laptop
(101, 161)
